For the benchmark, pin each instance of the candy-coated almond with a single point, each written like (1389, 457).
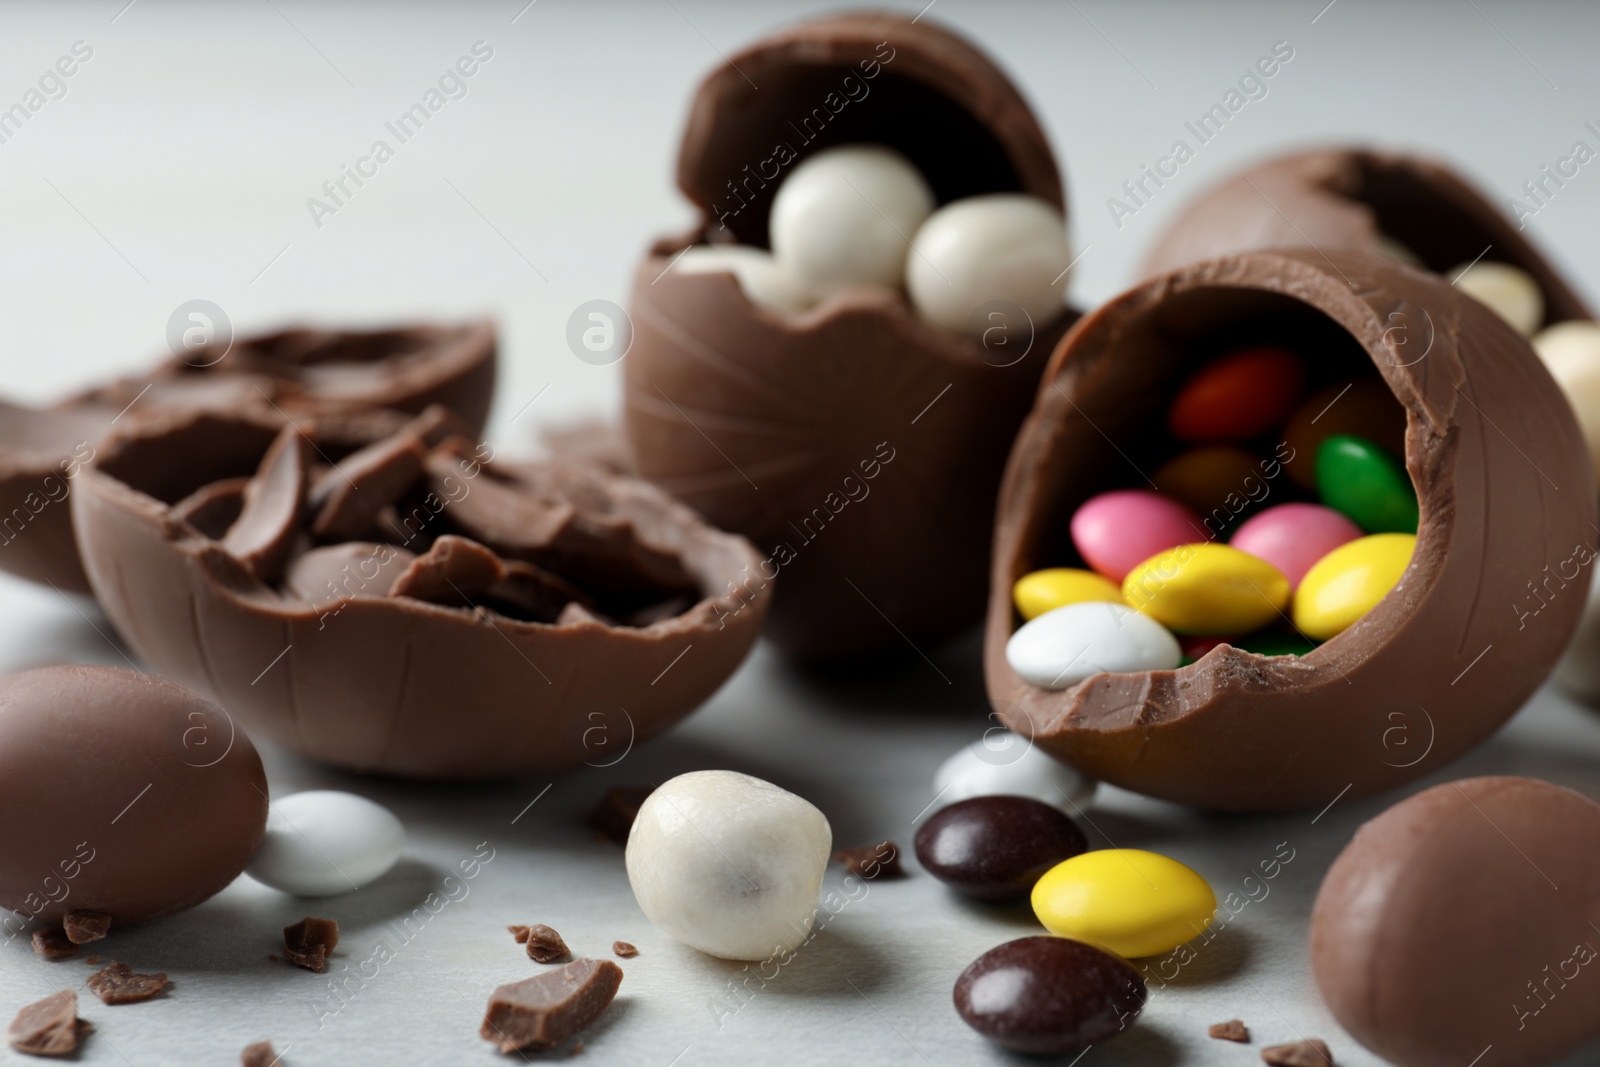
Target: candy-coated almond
(1363, 482)
(1292, 537)
(1215, 478)
(1349, 581)
(1237, 397)
(1061, 648)
(1362, 407)
(1207, 589)
(1116, 531)
(1057, 587)
(1124, 900)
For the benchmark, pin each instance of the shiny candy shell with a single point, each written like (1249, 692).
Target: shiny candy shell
(1006, 763)
(1116, 531)
(322, 843)
(1363, 482)
(1217, 481)
(1046, 590)
(1292, 537)
(1362, 407)
(995, 848)
(1349, 581)
(1208, 589)
(1048, 995)
(1061, 648)
(998, 247)
(1238, 396)
(1124, 900)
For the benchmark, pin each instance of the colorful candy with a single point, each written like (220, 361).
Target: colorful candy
(1061, 648)
(1116, 531)
(1207, 589)
(1042, 591)
(1292, 537)
(1361, 407)
(1242, 395)
(1215, 478)
(995, 848)
(1124, 900)
(1571, 352)
(1349, 581)
(1365, 483)
(1049, 996)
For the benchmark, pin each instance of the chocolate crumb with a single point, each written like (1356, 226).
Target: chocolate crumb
(52, 943)
(520, 933)
(613, 816)
(1232, 1030)
(872, 861)
(312, 959)
(83, 927)
(259, 1054)
(541, 1012)
(1312, 1053)
(48, 1027)
(92, 960)
(623, 949)
(118, 984)
(308, 942)
(544, 944)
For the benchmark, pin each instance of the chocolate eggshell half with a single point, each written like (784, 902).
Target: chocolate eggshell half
(1446, 657)
(1460, 926)
(120, 793)
(858, 447)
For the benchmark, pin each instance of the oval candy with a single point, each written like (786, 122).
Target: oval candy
(1056, 587)
(1217, 481)
(1116, 531)
(1292, 537)
(322, 843)
(1366, 484)
(1508, 291)
(995, 848)
(1238, 396)
(1061, 648)
(1349, 581)
(1048, 995)
(1124, 900)
(1006, 763)
(1207, 589)
(1361, 407)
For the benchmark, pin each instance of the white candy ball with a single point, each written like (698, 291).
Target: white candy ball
(1510, 292)
(1571, 351)
(1005, 764)
(1004, 246)
(323, 843)
(729, 864)
(845, 217)
(764, 280)
(1064, 646)
(1579, 670)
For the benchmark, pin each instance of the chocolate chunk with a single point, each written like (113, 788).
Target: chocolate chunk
(118, 984)
(539, 1013)
(613, 817)
(1232, 1030)
(263, 535)
(308, 942)
(1048, 995)
(214, 507)
(1310, 1053)
(52, 943)
(454, 572)
(348, 497)
(338, 572)
(623, 949)
(83, 927)
(525, 591)
(260, 1054)
(872, 861)
(48, 1027)
(597, 443)
(996, 847)
(544, 944)
(520, 933)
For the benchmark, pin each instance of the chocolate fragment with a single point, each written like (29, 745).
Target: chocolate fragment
(598, 444)
(348, 496)
(337, 572)
(52, 943)
(83, 927)
(539, 1013)
(544, 944)
(118, 984)
(1232, 1030)
(308, 942)
(1309, 1053)
(872, 861)
(520, 933)
(624, 949)
(613, 816)
(263, 535)
(524, 591)
(48, 1027)
(213, 508)
(260, 1054)
(453, 572)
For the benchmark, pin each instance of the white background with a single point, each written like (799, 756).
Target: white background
(178, 166)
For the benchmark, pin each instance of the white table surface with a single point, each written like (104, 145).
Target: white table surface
(177, 166)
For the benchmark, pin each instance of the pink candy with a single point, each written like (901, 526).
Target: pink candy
(1116, 531)
(1292, 537)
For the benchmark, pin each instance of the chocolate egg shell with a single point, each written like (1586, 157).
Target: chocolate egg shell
(1346, 198)
(1465, 917)
(452, 664)
(1502, 479)
(1048, 995)
(294, 372)
(120, 793)
(858, 446)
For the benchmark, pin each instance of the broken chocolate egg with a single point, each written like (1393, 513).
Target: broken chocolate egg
(1450, 653)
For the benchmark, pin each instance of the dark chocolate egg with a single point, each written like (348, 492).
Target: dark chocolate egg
(120, 793)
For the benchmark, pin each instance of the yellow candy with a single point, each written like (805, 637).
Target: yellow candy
(1057, 587)
(1207, 589)
(1349, 581)
(1125, 900)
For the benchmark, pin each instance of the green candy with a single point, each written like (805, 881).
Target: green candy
(1275, 643)
(1366, 484)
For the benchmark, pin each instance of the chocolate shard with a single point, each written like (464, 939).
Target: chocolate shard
(308, 942)
(213, 507)
(596, 443)
(119, 984)
(544, 944)
(613, 816)
(348, 497)
(1309, 1053)
(83, 927)
(624, 949)
(338, 572)
(454, 572)
(52, 943)
(260, 1054)
(520, 933)
(872, 861)
(526, 591)
(48, 1027)
(539, 1013)
(263, 535)
(1232, 1030)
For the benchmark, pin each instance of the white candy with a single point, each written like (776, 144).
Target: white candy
(729, 864)
(764, 280)
(845, 216)
(1004, 246)
(323, 843)
(1003, 763)
(1579, 670)
(1064, 646)
(1571, 351)
(1510, 292)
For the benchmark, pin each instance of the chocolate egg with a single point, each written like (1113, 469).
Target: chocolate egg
(300, 371)
(1504, 488)
(1360, 200)
(493, 618)
(120, 793)
(856, 444)
(1462, 918)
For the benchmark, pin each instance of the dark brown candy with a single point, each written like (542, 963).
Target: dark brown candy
(539, 1013)
(260, 1054)
(613, 816)
(48, 1027)
(1311, 1052)
(272, 503)
(308, 942)
(1048, 995)
(872, 861)
(83, 927)
(1232, 1030)
(996, 847)
(52, 943)
(118, 984)
(544, 944)
(624, 949)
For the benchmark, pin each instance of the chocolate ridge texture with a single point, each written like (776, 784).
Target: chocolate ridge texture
(767, 423)
(1502, 478)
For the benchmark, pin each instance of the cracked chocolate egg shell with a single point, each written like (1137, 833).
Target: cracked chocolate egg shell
(1348, 199)
(856, 445)
(1451, 652)
(410, 607)
(294, 372)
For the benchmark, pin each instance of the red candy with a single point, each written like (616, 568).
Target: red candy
(1237, 397)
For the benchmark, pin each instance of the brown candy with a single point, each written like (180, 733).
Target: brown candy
(539, 1013)
(996, 847)
(1048, 995)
